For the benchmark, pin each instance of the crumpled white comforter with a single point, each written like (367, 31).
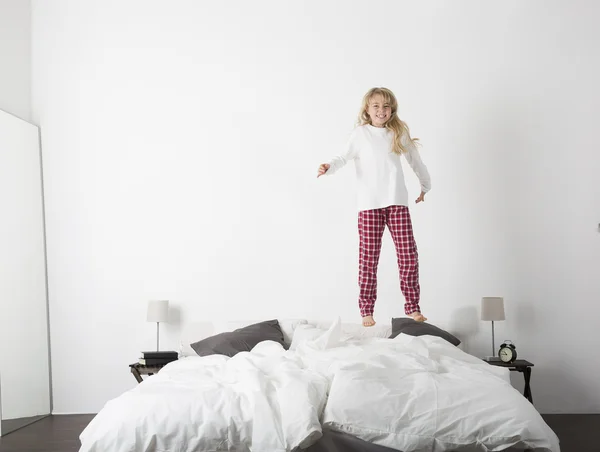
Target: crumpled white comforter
(264, 400)
(409, 394)
(423, 394)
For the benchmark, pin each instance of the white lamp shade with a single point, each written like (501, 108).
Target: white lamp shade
(158, 311)
(492, 308)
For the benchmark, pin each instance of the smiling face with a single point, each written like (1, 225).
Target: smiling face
(379, 110)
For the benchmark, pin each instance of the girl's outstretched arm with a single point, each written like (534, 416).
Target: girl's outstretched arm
(340, 161)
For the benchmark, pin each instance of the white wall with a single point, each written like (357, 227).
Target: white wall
(24, 372)
(15, 55)
(181, 144)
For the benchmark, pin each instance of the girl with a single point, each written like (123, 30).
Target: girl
(376, 145)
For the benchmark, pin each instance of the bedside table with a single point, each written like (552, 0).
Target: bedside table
(519, 365)
(139, 369)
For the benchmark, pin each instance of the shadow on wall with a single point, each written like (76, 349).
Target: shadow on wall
(174, 316)
(546, 378)
(522, 315)
(464, 322)
(173, 327)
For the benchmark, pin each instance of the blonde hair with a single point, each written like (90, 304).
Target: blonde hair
(395, 124)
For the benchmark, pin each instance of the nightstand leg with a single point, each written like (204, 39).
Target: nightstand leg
(527, 390)
(136, 374)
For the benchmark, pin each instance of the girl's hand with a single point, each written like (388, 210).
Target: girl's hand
(420, 198)
(323, 169)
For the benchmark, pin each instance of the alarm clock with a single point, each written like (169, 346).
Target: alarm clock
(507, 352)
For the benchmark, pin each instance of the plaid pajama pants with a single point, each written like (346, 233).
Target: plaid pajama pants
(371, 224)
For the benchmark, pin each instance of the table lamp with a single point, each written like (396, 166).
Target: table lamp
(492, 309)
(158, 311)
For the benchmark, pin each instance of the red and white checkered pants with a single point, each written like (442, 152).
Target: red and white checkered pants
(371, 224)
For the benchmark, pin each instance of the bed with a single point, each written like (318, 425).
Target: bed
(320, 388)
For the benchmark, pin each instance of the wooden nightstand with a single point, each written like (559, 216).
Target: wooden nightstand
(519, 365)
(139, 369)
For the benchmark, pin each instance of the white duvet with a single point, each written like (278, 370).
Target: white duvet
(408, 393)
(211, 403)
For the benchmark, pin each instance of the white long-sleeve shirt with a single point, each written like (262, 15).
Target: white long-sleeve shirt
(380, 179)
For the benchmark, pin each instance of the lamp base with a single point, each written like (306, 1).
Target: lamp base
(492, 359)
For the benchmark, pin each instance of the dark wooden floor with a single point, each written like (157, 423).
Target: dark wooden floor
(50, 434)
(577, 433)
(10, 425)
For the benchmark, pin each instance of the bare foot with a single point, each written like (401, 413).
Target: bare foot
(368, 320)
(417, 316)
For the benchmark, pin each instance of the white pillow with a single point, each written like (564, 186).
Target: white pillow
(357, 331)
(304, 333)
(330, 338)
(288, 328)
(320, 338)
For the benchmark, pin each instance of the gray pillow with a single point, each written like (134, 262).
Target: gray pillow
(240, 340)
(414, 328)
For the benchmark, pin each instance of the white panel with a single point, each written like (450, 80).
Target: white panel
(24, 372)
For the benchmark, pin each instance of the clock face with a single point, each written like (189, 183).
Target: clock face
(506, 354)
